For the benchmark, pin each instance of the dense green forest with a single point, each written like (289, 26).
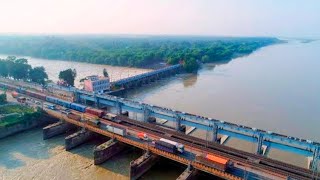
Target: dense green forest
(135, 51)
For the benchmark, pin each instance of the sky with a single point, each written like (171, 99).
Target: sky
(286, 18)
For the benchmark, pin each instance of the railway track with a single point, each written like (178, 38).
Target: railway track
(234, 154)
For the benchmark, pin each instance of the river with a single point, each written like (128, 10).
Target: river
(276, 88)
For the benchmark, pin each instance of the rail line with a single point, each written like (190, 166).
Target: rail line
(238, 155)
(182, 160)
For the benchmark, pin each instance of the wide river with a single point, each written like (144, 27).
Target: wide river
(276, 88)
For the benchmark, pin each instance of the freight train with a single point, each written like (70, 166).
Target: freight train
(78, 107)
(163, 144)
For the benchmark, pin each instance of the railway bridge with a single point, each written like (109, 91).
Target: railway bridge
(220, 130)
(147, 77)
(264, 140)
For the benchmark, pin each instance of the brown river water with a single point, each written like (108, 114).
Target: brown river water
(276, 88)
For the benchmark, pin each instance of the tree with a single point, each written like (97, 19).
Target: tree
(105, 73)
(205, 59)
(3, 68)
(190, 64)
(3, 98)
(38, 75)
(19, 68)
(68, 76)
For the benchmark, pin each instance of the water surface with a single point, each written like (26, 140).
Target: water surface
(276, 88)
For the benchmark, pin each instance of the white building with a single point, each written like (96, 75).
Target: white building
(96, 84)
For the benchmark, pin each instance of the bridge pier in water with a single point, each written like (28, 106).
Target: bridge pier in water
(188, 174)
(141, 165)
(56, 129)
(106, 150)
(77, 139)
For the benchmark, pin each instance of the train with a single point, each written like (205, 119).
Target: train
(163, 144)
(38, 95)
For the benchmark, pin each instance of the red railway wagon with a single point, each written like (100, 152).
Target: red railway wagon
(74, 116)
(96, 112)
(36, 95)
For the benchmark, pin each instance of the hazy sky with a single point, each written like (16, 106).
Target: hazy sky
(195, 17)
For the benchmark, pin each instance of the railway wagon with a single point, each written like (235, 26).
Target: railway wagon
(74, 116)
(78, 107)
(36, 95)
(2, 85)
(11, 87)
(115, 129)
(95, 112)
(213, 161)
(21, 90)
(166, 147)
(179, 147)
(52, 99)
(94, 122)
(63, 103)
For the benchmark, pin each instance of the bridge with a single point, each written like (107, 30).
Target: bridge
(147, 77)
(194, 146)
(263, 139)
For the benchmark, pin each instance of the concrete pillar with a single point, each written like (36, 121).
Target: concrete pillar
(260, 143)
(77, 96)
(315, 159)
(146, 113)
(188, 174)
(56, 129)
(215, 132)
(77, 138)
(105, 151)
(141, 165)
(178, 122)
(96, 101)
(119, 107)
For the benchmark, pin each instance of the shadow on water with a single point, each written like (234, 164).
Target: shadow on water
(164, 169)
(120, 163)
(27, 144)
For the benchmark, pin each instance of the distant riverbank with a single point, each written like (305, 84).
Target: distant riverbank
(143, 52)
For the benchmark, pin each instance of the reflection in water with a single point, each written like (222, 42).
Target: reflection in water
(190, 80)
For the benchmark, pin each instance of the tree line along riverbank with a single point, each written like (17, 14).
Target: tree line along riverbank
(138, 51)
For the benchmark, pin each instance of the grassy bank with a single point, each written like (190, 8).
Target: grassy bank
(23, 115)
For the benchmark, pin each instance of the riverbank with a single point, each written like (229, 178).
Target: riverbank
(132, 52)
(18, 118)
